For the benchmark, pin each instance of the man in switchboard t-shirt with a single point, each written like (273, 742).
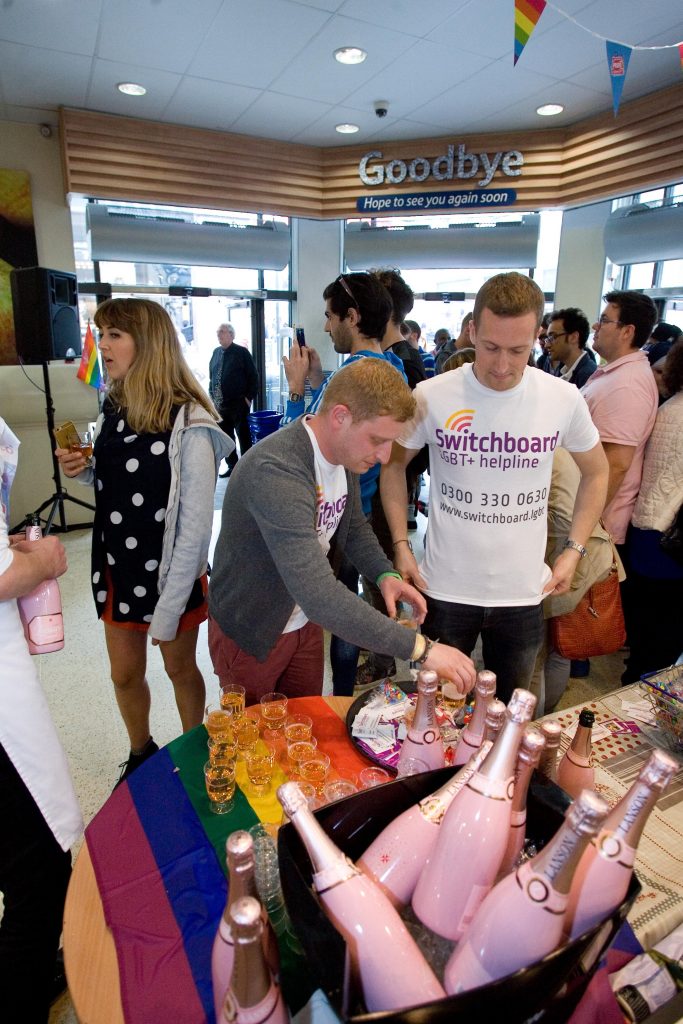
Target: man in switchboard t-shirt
(492, 427)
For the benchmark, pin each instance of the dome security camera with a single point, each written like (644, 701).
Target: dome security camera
(381, 108)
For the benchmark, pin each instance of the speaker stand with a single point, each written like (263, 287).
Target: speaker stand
(55, 502)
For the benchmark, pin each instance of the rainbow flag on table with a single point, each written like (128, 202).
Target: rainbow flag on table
(159, 858)
(89, 368)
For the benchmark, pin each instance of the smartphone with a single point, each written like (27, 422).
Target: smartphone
(67, 435)
(300, 337)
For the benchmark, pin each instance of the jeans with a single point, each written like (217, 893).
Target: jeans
(511, 637)
(34, 875)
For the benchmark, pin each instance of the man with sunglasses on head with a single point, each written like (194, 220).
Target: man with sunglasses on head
(566, 339)
(623, 399)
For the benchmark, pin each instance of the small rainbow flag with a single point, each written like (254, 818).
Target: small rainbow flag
(89, 369)
(527, 13)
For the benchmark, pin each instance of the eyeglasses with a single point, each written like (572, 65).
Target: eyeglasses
(602, 320)
(553, 337)
(342, 282)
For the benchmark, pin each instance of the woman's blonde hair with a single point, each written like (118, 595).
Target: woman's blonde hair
(159, 378)
(458, 359)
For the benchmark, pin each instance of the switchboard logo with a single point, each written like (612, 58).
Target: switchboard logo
(460, 420)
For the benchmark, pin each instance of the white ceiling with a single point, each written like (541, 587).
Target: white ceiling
(265, 67)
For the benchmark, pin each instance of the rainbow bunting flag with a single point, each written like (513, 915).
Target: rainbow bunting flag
(527, 13)
(89, 368)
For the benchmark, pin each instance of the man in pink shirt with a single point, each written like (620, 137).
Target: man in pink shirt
(622, 398)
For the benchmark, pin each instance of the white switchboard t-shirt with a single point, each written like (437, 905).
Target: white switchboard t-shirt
(330, 501)
(490, 462)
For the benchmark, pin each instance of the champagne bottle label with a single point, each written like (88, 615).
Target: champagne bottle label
(333, 875)
(540, 892)
(613, 848)
(493, 789)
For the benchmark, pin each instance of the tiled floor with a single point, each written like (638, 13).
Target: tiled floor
(80, 694)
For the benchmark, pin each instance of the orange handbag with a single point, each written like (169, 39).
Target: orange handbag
(596, 626)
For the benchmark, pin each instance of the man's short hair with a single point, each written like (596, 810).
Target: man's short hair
(228, 328)
(369, 387)
(574, 319)
(401, 294)
(442, 333)
(666, 332)
(509, 294)
(635, 310)
(414, 328)
(367, 295)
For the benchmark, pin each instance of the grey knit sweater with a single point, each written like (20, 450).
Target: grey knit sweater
(268, 557)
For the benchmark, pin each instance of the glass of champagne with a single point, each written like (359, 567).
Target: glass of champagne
(274, 712)
(451, 699)
(298, 727)
(300, 750)
(246, 735)
(233, 699)
(315, 770)
(337, 789)
(260, 763)
(222, 747)
(217, 721)
(219, 778)
(370, 777)
(83, 445)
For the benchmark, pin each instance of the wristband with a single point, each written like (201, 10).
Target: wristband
(419, 648)
(403, 540)
(383, 576)
(574, 546)
(425, 654)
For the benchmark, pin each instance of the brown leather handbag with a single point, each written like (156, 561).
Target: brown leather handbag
(596, 626)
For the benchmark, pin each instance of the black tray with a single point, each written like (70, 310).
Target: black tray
(553, 986)
(407, 685)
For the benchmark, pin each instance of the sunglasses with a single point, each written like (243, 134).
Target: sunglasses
(342, 282)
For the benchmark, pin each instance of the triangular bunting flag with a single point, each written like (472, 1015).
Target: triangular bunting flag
(618, 57)
(527, 13)
(89, 368)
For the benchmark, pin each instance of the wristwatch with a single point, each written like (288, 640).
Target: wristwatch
(569, 543)
(294, 396)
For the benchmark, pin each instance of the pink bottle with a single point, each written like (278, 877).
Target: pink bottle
(602, 879)
(474, 833)
(575, 770)
(530, 750)
(495, 717)
(547, 766)
(393, 972)
(41, 610)
(253, 995)
(239, 851)
(520, 921)
(423, 745)
(396, 858)
(471, 736)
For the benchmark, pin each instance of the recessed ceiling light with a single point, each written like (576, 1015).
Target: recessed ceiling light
(131, 89)
(550, 109)
(347, 129)
(350, 55)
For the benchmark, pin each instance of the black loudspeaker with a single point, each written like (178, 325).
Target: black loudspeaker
(46, 321)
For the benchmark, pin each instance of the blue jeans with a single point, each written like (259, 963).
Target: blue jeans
(510, 637)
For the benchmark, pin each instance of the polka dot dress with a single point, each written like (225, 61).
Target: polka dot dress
(132, 482)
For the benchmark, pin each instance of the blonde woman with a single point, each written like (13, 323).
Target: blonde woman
(156, 454)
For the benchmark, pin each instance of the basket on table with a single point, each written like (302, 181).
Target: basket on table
(664, 690)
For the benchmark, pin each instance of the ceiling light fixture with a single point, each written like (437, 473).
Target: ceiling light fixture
(550, 109)
(131, 89)
(347, 129)
(350, 55)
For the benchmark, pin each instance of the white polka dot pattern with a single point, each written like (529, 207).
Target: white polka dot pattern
(132, 465)
(151, 565)
(111, 559)
(159, 514)
(147, 618)
(101, 596)
(124, 608)
(120, 425)
(137, 499)
(158, 448)
(131, 543)
(116, 518)
(96, 577)
(139, 591)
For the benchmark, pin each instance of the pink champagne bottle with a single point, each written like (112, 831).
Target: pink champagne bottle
(396, 858)
(41, 610)
(423, 742)
(253, 995)
(575, 770)
(240, 857)
(530, 750)
(547, 766)
(602, 879)
(472, 735)
(393, 972)
(520, 921)
(474, 833)
(495, 717)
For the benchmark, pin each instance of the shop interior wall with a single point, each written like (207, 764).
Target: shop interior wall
(581, 266)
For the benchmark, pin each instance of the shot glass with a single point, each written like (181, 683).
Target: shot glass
(274, 712)
(222, 748)
(233, 699)
(260, 763)
(219, 778)
(298, 727)
(315, 770)
(246, 735)
(370, 777)
(405, 615)
(337, 789)
(217, 722)
(301, 750)
(83, 445)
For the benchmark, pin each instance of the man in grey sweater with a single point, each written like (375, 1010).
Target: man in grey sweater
(292, 507)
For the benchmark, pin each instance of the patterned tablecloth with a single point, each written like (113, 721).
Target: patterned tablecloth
(659, 862)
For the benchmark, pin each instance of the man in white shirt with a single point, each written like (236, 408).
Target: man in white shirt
(492, 427)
